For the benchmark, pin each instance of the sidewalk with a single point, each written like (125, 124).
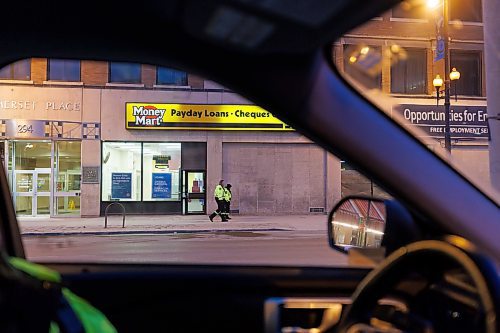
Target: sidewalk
(159, 224)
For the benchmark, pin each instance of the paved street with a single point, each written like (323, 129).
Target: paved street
(167, 223)
(302, 248)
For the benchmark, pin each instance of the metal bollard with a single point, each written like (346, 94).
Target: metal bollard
(106, 213)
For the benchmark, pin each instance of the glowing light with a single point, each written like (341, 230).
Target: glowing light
(454, 74)
(373, 231)
(353, 59)
(347, 225)
(365, 50)
(395, 48)
(437, 82)
(432, 4)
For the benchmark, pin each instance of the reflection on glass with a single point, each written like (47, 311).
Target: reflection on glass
(43, 205)
(68, 205)
(121, 171)
(24, 182)
(196, 182)
(31, 155)
(196, 206)
(24, 205)
(162, 163)
(359, 223)
(43, 182)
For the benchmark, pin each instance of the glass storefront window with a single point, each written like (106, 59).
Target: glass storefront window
(69, 171)
(31, 155)
(68, 175)
(121, 171)
(161, 163)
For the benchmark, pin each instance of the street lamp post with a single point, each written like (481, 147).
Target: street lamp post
(446, 37)
(447, 77)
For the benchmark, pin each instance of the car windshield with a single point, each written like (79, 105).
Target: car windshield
(426, 64)
(134, 163)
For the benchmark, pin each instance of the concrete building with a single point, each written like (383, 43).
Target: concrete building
(77, 136)
(70, 147)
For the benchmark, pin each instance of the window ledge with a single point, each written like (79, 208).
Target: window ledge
(452, 97)
(125, 85)
(399, 95)
(470, 23)
(408, 20)
(378, 18)
(63, 83)
(26, 82)
(170, 86)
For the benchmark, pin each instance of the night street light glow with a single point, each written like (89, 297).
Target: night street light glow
(432, 4)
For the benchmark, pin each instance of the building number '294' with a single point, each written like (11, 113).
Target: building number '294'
(22, 129)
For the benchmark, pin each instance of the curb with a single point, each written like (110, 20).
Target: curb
(145, 232)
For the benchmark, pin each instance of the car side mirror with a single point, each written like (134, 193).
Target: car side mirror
(366, 224)
(357, 222)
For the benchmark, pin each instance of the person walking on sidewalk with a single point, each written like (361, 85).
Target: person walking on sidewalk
(227, 201)
(219, 198)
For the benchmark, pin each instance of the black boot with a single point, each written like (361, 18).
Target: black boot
(211, 217)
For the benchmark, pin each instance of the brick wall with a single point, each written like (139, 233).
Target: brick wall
(94, 73)
(195, 81)
(148, 75)
(38, 70)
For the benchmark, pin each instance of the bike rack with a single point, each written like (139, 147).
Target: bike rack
(106, 213)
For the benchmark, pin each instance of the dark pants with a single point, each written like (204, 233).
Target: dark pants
(221, 210)
(221, 207)
(227, 207)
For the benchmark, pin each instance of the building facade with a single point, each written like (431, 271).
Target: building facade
(69, 150)
(76, 136)
(405, 57)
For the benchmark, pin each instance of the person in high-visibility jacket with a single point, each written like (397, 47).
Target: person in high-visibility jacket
(227, 201)
(219, 198)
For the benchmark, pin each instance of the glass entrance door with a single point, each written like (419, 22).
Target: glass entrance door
(194, 193)
(32, 192)
(68, 174)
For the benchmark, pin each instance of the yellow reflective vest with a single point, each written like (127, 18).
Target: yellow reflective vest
(219, 192)
(227, 195)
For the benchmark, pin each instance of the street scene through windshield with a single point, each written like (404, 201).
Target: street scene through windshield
(127, 162)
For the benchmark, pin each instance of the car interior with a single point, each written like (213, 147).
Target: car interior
(439, 271)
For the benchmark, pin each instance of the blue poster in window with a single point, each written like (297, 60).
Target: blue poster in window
(162, 186)
(121, 185)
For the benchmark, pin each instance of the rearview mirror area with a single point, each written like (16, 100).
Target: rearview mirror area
(357, 222)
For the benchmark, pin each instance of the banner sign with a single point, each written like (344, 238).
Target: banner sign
(201, 117)
(162, 186)
(440, 42)
(121, 185)
(466, 122)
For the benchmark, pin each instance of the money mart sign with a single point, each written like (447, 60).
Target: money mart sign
(221, 117)
(466, 122)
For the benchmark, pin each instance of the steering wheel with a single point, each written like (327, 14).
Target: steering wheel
(429, 258)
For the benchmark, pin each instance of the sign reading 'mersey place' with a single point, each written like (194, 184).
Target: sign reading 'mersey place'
(466, 122)
(201, 117)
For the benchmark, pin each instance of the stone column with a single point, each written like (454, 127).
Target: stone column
(91, 152)
(491, 12)
(90, 197)
(333, 182)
